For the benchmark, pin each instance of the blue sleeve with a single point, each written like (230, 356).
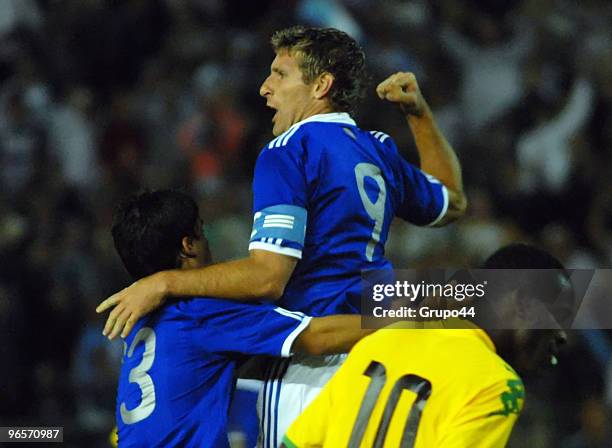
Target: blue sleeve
(279, 201)
(225, 326)
(423, 198)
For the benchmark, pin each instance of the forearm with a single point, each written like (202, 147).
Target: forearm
(436, 154)
(249, 278)
(438, 158)
(331, 334)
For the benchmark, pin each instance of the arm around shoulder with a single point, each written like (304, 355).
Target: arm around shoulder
(261, 275)
(330, 335)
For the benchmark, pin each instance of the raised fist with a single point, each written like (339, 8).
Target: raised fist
(402, 88)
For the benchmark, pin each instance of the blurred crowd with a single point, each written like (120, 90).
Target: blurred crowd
(102, 98)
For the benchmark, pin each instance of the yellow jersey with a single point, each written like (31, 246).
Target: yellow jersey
(419, 388)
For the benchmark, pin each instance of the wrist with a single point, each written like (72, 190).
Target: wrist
(422, 125)
(421, 114)
(163, 282)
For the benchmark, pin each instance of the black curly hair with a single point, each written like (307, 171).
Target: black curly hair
(148, 228)
(328, 50)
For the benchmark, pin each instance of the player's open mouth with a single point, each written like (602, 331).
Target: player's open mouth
(275, 111)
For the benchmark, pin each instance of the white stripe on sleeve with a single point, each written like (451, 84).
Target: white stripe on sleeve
(444, 208)
(287, 345)
(293, 314)
(296, 253)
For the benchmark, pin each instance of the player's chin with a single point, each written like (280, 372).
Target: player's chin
(278, 129)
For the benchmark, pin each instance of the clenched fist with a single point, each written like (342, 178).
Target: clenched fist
(402, 88)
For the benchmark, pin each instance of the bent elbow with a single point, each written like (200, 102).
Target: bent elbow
(273, 289)
(457, 206)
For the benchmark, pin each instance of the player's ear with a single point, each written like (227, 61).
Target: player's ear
(187, 248)
(322, 85)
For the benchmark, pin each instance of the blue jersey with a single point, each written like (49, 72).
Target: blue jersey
(326, 192)
(178, 368)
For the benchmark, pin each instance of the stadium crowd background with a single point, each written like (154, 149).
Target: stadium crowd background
(100, 98)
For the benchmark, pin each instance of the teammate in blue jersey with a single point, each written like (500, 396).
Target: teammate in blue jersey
(325, 191)
(179, 363)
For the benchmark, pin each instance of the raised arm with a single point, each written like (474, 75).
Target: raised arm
(437, 156)
(262, 275)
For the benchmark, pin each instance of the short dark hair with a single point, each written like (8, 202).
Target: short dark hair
(148, 229)
(328, 50)
(528, 259)
(521, 256)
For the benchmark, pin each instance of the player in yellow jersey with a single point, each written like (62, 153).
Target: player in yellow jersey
(428, 388)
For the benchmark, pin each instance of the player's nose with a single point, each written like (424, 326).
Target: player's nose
(265, 90)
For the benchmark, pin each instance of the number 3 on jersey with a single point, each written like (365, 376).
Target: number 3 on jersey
(140, 376)
(375, 210)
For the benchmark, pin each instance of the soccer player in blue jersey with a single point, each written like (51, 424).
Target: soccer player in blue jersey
(325, 191)
(179, 363)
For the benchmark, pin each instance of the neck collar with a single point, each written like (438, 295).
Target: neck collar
(332, 117)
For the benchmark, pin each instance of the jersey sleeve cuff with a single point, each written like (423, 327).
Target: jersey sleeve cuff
(444, 208)
(296, 253)
(288, 344)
